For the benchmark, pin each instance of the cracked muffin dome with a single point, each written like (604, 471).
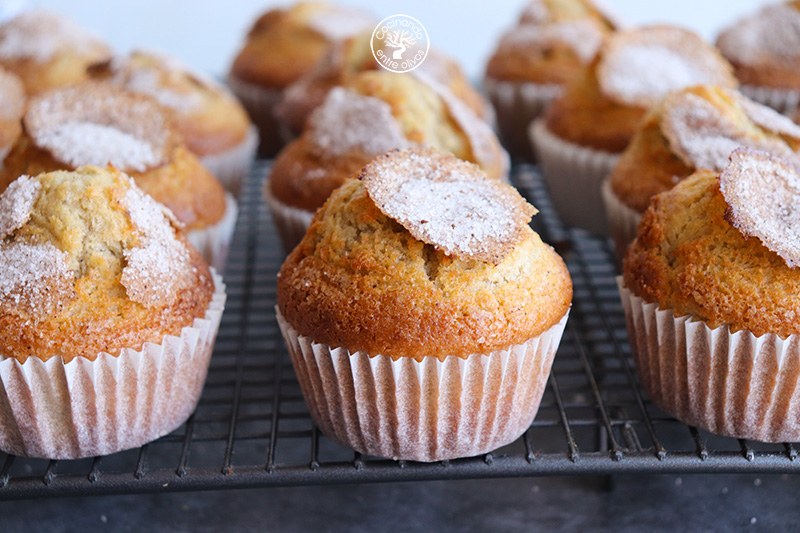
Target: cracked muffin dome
(47, 50)
(376, 112)
(423, 256)
(633, 70)
(694, 129)
(91, 264)
(98, 124)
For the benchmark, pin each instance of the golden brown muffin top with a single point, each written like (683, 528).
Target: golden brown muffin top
(764, 48)
(361, 280)
(633, 71)
(90, 264)
(691, 258)
(696, 128)
(47, 50)
(284, 44)
(550, 11)
(206, 114)
(12, 106)
(346, 59)
(99, 124)
(379, 111)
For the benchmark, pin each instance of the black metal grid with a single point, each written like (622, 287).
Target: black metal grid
(252, 428)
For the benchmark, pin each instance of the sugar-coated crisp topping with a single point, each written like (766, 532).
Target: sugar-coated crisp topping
(40, 35)
(156, 269)
(763, 196)
(347, 121)
(639, 67)
(448, 203)
(771, 35)
(34, 278)
(340, 22)
(583, 36)
(16, 203)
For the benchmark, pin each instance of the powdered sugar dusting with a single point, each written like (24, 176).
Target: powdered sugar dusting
(487, 150)
(536, 12)
(340, 22)
(16, 203)
(86, 143)
(34, 278)
(763, 196)
(583, 36)
(99, 124)
(767, 118)
(704, 137)
(347, 121)
(157, 269)
(448, 203)
(639, 67)
(772, 35)
(40, 35)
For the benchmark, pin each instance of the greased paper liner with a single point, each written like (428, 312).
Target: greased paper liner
(84, 408)
(516, 105)
(260, 104)
(423, 411)
(733, 384)
(573, 175)
(213, 242)
(231, 166)
(623, 221)
(291, 222)
(781, 100)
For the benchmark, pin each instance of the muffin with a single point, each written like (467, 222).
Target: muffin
(535, 59)
(347, 59)
(47, 50)
(421, 312)
(99, 124)
(213, 124)
(282, 46)
(377, 111)
(712, 298)
(693, 129)
(583, 132)
(107, 316)
(12, 106)
(764, 49)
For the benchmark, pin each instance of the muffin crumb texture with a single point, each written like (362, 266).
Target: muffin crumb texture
(763, 197)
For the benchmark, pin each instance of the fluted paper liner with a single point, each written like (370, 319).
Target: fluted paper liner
(291, 222)
(260, 104)
(732, 384)
(423, 411)
(84, 408)
(231, 166)
(516, 105)
(213, 242)
(574, 175)
(781, 100)
(623, 221)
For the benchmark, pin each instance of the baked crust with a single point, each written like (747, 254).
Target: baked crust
(689, 258)
(12, 107)
(179, 180)
(93, 233)
(359, 280)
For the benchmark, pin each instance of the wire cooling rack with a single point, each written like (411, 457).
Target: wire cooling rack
(252, 427)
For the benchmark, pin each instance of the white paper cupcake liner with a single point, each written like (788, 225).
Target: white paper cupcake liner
(423, 411)
(781, 100)
(573, 175)
(623, 221)
(84, 408)
(516, 105)
(214, 241)
(260, 104)
(291, 222)
(231, 166)
(732, 384)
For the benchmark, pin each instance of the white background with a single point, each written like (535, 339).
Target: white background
(206, 34)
